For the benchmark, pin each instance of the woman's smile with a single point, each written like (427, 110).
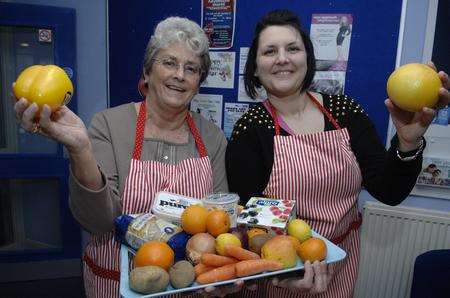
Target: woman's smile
(282, 72)
(175, 88)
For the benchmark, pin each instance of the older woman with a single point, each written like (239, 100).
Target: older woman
(317, 149)
(135, 150)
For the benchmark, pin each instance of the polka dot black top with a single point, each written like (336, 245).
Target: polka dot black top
(249, 156)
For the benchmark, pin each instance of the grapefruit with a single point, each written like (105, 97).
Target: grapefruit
(414, 86)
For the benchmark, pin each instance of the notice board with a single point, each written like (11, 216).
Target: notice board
(371, 58)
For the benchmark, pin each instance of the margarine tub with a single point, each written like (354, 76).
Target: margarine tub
(224, 201)
(170, 206)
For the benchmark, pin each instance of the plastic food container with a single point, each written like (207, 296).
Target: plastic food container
(170, 206)
(271, 215)
(224, 201)
(136, 230)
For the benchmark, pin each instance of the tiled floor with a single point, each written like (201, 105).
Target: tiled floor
(52, 288)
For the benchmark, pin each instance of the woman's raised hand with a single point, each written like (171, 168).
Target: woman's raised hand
(62, 125)
(412, 126)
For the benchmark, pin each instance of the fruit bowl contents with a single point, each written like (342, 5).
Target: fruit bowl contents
(334, 254)
(204, 250)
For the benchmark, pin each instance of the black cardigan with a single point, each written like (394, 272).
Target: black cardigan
(249, 155)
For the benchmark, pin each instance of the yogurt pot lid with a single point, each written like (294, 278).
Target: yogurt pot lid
(222, 198)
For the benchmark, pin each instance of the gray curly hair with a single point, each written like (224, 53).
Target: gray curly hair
(176, 29)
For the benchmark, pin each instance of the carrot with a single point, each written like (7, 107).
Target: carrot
(240, 253)
(250, 267)
(214, 260)
(218, 274)
(202, 268)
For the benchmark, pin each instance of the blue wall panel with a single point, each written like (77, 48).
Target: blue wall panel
(372, 50)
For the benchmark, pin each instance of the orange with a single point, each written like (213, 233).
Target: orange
(155, 253)
(193, 219)
(414, 86)
(217, 222)
(313, 249)
(255, 231)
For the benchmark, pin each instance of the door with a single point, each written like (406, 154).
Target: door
(38, 236)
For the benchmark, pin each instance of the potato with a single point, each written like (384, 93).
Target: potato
(256, 242)
(148, 279)
(182, 274)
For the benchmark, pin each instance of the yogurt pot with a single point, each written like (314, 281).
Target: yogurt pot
(170, 206)
(223, 201)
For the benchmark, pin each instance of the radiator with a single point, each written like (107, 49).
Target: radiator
(391, 238)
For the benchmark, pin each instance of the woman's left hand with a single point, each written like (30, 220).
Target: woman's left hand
(316, 279)
(222, 291)
(412, 126)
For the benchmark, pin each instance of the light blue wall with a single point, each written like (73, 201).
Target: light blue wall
(412, 51)
(91, 19)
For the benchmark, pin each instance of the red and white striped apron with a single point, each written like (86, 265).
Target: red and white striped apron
(321, 173)
(191, 177)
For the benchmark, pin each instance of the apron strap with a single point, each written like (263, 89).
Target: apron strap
(354, 225)
(140, 128)
(324, 111)
(100, 271)
(273, 111)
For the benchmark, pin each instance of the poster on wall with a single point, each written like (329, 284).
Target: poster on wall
(435, 172)
(436, 163)
(209, 106)
(331, 35)
(233, 111)
(434, 179)
(243, 96)
(243, 53)
(218, 18)
(221, 73)
(329, 82)
(442, 117)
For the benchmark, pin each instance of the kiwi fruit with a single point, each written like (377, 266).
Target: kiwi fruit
(256, 242)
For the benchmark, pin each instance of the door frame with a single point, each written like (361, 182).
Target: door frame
(65, 262)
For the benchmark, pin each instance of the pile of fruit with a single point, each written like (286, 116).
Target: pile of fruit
(216, 253)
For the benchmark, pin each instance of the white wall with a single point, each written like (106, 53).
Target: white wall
(414, 38)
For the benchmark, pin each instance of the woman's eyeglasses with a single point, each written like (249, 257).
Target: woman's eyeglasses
(172, 64)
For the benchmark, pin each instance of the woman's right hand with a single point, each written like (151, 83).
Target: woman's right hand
(315, 280)
(62, 125)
